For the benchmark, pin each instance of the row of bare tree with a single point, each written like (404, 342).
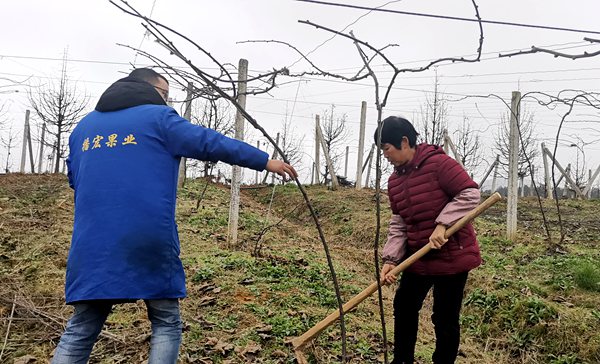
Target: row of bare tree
(59, 105)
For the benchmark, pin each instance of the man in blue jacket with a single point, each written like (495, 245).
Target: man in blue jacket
(123, 165)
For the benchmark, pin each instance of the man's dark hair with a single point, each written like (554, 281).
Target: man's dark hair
(147, 74)
(394, 128)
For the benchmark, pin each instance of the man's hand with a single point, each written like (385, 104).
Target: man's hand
(437, 238)
(281, 168)
(386, 277)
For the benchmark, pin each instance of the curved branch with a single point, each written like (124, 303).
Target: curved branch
(556, 54)
(218, 90)
(372, 74)
(311, 63)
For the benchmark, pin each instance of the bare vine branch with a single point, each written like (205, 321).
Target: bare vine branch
(569, 98)
(556, 54)
(379, 106)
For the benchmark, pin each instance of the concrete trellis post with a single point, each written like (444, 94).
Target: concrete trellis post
(187, 114)
(566, 193)
(41, 155)
(513, 161)
(445, 139)
(495, 177)
(487, 174)
(448, 143)
(317, 150)
(346, 162)
(236, 174)
(547, 173)
(26, 139)
(273, 156)
(566, 174)
(256, 172)
(588, 189)
(370, 160)
(361, 145)
(334, 180)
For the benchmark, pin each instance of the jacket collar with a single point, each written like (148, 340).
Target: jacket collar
(128, 92)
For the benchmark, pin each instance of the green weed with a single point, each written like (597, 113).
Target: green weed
(587, 276)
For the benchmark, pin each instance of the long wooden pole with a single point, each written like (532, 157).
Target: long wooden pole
(301, 341)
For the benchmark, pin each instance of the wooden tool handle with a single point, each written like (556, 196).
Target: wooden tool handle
(300, 341)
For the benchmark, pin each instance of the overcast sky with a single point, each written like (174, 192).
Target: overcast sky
(36, 33)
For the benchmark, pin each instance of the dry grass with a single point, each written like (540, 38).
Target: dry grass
(246, 309)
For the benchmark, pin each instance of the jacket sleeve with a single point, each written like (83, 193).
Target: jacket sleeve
(461, 204)
(395, 247)
(184, 139)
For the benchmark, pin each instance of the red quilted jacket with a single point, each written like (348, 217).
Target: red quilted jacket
(418, 192)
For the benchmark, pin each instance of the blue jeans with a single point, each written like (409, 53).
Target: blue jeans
(83, 329)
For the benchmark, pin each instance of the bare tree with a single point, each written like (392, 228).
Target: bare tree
(3, 115)
(8, 141)
(434, 114)
(8, 85)
(59, 106)
(335, 133)
(580, 171)
(467, 145)
(213, 114)
(289, 142)
(528, 148)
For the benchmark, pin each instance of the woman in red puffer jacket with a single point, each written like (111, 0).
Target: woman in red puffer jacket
(428, 191)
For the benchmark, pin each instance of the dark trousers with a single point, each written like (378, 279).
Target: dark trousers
(447, 301)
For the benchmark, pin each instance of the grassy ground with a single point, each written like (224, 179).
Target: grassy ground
(530, 302)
